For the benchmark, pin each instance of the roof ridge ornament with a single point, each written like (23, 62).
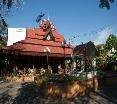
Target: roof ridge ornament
(47, 22)
(39, 17)
(45, 25)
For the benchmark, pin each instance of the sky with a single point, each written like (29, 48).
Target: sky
(82, 19)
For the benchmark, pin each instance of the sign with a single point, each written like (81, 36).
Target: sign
(15, 35)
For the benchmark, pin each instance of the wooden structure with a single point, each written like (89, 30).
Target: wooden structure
(42, 47)
(86, 54)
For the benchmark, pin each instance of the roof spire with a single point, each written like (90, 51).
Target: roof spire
(38, 19)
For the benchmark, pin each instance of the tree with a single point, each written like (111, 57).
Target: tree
(111, 46)
(102, 56)
(105, 3)
(5, 8)
(6, 5)
(111, 42)
(3, 32)
(108, 53)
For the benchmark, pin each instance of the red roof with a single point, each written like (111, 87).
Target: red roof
(34, 42)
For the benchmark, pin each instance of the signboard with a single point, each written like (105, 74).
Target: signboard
(15, 35)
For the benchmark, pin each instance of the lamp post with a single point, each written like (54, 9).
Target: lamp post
(47, 51)
(63, 46)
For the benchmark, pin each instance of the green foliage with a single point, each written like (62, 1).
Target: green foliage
(60, 79)
(68, 64)
(3, 32)
(111, 46)
(105, 3)
(6, 5)
(5, 8)
(101, 59)
(108, 52)
(111, 42)
(3, 40)
(53, 78)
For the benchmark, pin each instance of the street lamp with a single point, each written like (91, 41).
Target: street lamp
(63, 46)
(47, 50)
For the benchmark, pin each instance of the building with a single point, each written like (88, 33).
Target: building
(85, 54)
(42, 47)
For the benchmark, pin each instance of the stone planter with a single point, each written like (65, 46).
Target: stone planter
(64, 90)
(69, 90)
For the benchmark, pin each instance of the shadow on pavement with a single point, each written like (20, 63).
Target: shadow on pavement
(5, 98)
(108, 87)
(109, 91)
(27, 93)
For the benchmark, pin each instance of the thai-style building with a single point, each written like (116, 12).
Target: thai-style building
(85, 54)
(42, 47)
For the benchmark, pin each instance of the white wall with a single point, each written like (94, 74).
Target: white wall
(15, 35)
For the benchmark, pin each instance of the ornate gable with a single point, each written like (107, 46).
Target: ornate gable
(47, 28)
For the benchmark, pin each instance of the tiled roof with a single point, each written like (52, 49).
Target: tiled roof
(34, 42)
(39, 34)
(87, 49)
